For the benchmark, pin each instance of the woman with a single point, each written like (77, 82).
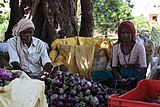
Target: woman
(129, 57)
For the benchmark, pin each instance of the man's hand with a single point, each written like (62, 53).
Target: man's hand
(43, 75)
(47, 67)
(16, 66)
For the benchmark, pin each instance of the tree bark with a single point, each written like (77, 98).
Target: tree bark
(86, 28)
(14, 16)
(53, 18)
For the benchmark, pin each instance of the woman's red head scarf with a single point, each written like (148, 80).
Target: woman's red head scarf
(128, 25)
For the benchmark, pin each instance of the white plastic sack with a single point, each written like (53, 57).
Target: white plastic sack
(23, 92)
(152, 67)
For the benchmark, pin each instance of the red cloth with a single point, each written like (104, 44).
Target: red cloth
(129, 25)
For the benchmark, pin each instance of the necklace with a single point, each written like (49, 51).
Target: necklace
(126, 59)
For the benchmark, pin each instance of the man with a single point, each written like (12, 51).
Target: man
(4, 55)
(26, 52)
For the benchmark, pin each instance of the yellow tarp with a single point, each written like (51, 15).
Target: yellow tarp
(77, 53)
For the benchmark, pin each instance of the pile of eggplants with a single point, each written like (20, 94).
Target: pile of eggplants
(153, 100)
(64, 89)
(6, 76)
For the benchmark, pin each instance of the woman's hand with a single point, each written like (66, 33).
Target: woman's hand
(116, 73)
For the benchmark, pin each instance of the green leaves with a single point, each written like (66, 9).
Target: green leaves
(141, 22)
(4, 18)
(107, 13)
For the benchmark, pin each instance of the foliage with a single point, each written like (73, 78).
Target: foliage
(78, 14)
(4, 19)
(108, 13)
(158, 28)
(141, 22)
(3, 28)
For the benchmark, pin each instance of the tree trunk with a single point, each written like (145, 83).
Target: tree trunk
(55, 19)
(52, 18)
(14, 16)
(86, 28)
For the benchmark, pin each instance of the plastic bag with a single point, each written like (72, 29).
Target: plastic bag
(152, 68)
(23, 92)
(77, 53)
